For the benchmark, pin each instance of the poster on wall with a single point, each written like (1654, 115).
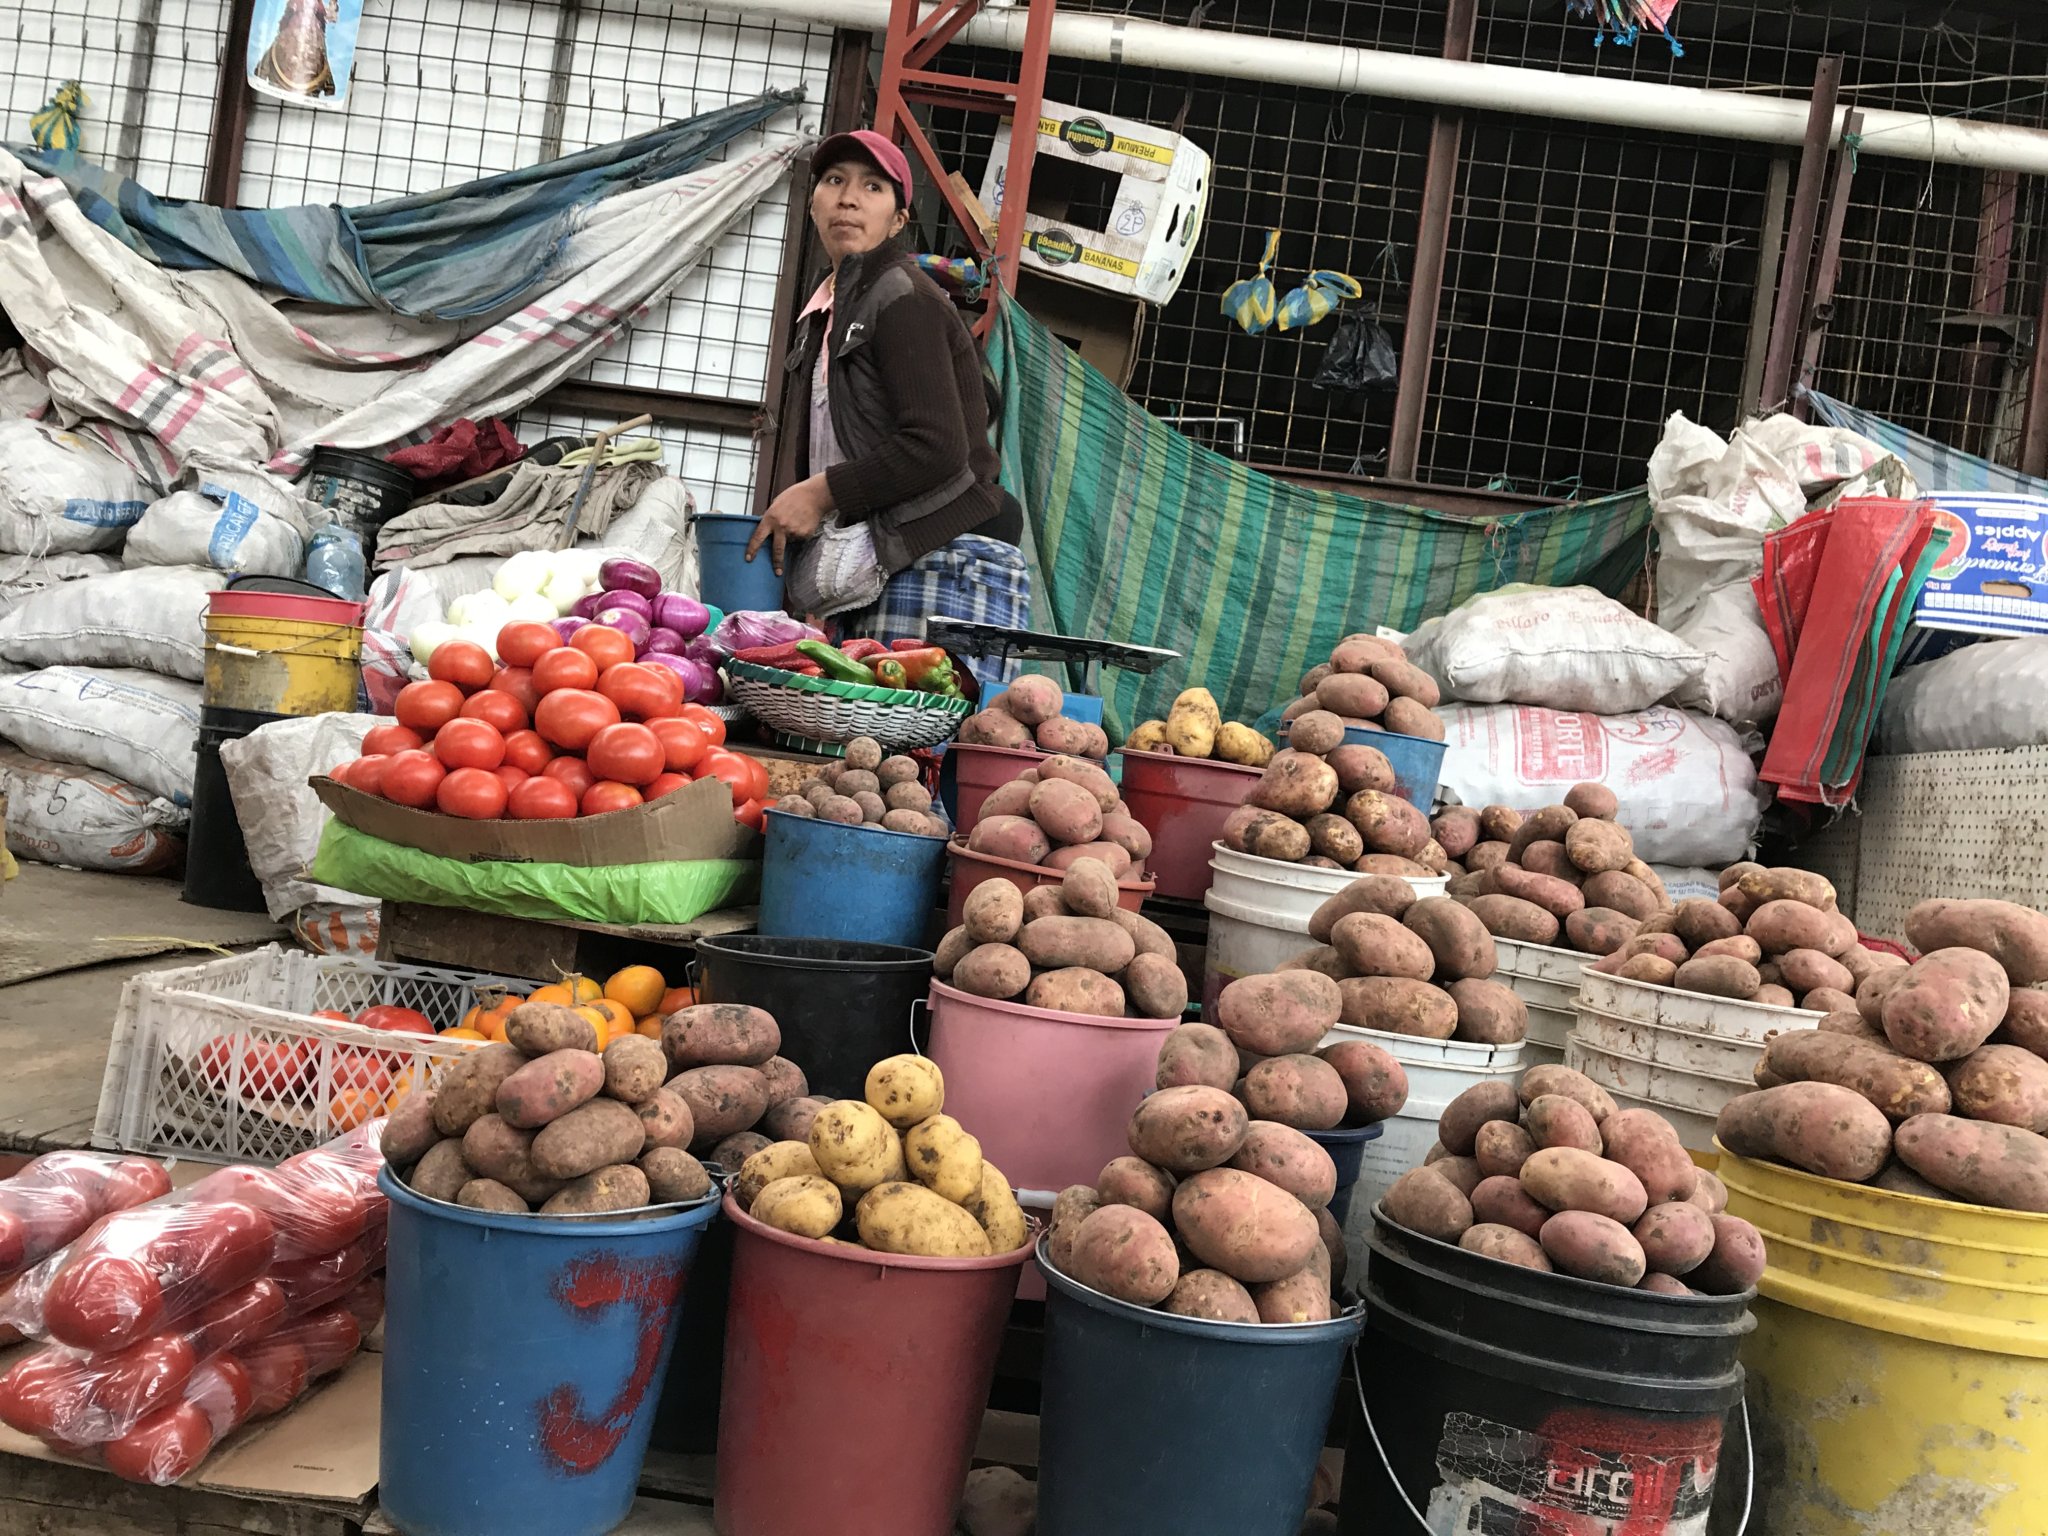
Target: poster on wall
(302, 50)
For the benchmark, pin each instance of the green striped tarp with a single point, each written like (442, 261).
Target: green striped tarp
(1143, 535)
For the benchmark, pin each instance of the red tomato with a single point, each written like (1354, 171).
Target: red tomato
(542, 799)
(606, 796)
(497, 709)
(517, 681)
(526, 749)
(629, 754)
(469, 744)
(572, 771)
(164, 1447)
(408, 1021)
(751, 813)
(138, 1380)
(564, 667)
(367, 774)
(462, 662)
(269, 1070)
(357, 1068)
(329, 1337)
(426, 707)
(411, 778)
(683, 743)
(714, 728)
(277, 1375)
(736, 769)
(665, 784)
(570, 717)
(471, 793)
(233, 1320)
(639, 690)
(524, 641)
(602, 644)
(510, 777)
(383, 740)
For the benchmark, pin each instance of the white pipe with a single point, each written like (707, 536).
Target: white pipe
(1117, 40)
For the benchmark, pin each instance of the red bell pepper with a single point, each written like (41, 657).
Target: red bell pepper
(909, 645)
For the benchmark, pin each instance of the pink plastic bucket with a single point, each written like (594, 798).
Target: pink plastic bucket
(245, 604)
(1183, 802)
(1049, 1095)
(970, 869)
(981, 772)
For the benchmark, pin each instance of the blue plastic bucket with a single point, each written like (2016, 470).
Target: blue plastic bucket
(1418, 763)
(728, 581)
(524, 1356)
(1156, 1425)
(1347, 1151)
(1084, 707)
(827, 880)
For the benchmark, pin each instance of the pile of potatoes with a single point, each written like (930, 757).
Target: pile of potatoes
(1566, 875)
(1214, 1215)
(1368, 683)
(1387, 960)
(1026, 715)
(1333, 808)
(1933, 1081)
(1549, 1174)
(1068, 947)
(543, 1121)
(867, 788)
(889, 1171)
(1063, 809)
(1195, 727)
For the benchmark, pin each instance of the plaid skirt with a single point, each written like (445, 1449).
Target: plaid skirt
(976, 578)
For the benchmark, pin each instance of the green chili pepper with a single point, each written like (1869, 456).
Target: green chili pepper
(835, 664)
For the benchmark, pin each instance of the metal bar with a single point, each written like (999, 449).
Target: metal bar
(1813, 156)
(939, 29)
(559, 69)
(231, 101)
(1030, 102)
(2034, 435)
(1771, 247)
(618, 401)
(135, 99)
(1982, 359)
(1830, 268)
(1432, 240)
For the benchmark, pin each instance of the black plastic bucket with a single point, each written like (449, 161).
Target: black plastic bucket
(1157, 1425)
(686, 1417)
(842, 1006)
(361, 490)
(1506, 1399)
(217, 870)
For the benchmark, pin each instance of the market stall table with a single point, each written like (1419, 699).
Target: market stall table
(418, 934)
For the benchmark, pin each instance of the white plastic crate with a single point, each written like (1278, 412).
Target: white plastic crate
(224, 1062)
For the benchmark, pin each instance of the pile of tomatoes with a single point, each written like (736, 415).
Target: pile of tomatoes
(561, 729)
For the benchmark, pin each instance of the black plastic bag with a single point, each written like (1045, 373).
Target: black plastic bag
(1361, 356)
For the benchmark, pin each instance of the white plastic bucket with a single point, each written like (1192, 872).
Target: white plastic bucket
(1696, 1011)
(1695, 1130)
(1551, 1026)
(1660, 1087)
(1660, 1045)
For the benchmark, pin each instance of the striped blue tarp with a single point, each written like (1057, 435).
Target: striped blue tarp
(1935, 465)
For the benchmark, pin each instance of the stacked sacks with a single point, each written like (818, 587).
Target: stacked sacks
(1062, 810)
(1027, 715)
(1369, 684)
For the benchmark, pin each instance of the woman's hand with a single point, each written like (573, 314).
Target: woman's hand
(797, 513)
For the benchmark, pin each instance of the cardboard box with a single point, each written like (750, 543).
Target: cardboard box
(693, 823)
(1993, 580)
(1115, 204)
(1104, 328)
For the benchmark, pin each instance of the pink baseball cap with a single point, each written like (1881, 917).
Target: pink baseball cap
(864, 144)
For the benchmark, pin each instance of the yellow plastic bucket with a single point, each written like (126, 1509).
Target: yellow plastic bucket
(1899, 1368)
(281, 666)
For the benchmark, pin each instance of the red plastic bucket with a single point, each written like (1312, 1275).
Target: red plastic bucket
(1049, 1094)
(1183, 802)
(854, 1384)
(979, 772)
(969, 869)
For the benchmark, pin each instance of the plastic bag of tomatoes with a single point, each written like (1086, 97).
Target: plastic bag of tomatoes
(565, 728)
(55, 1198)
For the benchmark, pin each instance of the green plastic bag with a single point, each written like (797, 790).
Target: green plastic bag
(620, 893)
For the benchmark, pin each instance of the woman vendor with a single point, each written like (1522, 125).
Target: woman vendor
(888, 512)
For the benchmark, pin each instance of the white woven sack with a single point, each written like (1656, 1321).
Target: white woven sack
(65, 813)
(1686, 787)
(233, 535)
(152, 618)
(61, 492)
(22, 576)
(1562, 647)
(138, 726)
(281, 817)
(1986, 696)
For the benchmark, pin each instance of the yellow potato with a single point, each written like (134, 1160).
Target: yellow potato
(805, 1205)
(782, 1160)
(1237, 743)
(896, 1217)
(906, 1089)
(1149, 737)
(944, 1158)
(1202, 702)
(1190, 726)
(854, 1146)
(995, 1206)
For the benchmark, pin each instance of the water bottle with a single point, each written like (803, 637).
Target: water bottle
(335, 562)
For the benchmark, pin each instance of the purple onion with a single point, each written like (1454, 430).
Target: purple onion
(566, 627)
(685, 615)
(673, 663)
(701, 686)
(621, 574)
(632, 625)
(703, 648)
(666, 641)
(626, 598)
(586, 607)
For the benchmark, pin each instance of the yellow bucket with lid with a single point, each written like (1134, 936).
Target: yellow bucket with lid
(1899, 1368)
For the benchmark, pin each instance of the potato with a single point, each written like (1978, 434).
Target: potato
(1185, 1130)
(1210, 1294)
(1736, 1263)
(1073, 1206)
(1315, 731)
(1550, 1078)
(1349, 695)
(1269, 835)
(1111, 854)
(1301, 1091)
(1775, 996)
(994, 728)
(1764, 886)
(1710, 1194)
(1896, 1177)
(723, 1099)
(1360, 767)
(804, 1205)
(1983, 1162)
(535, 1029)
(1948, 1004)
(1397, 1005)
(1011, 799)
(1077, 989)
(490, 1195)
(1133, 1181)
(1456, 829)
(1828, 1000)
(1872, 991)
(1549, 858)
(2013, 935)
(1778, 926)
(1387, 823)
(1282, 1155)
(1281, 1013)
(1384, 895)
(1556, 1121)
(666, 1120)
(995, 1206)
(635, 1068)
(944, 1158)
(502, 1153)
(1568, 1179)
(1123, 1252)
(993, 970)
(1897, 1085)
(1032, 699)
(1551, 824)
(1676, 1237)
(791, 1120)
(1334, 838)
(1253, 1231)
(905, 1089)
(1593, 1247)
(1096, 943)
(2002, 1083)
(1654, 969)
(1700, 922)
(1197, 1055)
(1851, 1022)
(1598, 847)
(468, 1090)
(1424, 1201)
(778, 1160)
(1237, 743)
(1126, 832)
(1623, 893)
(1375, 1083)
(1510, 917)
(549, 1086)
(1016, 838)
(1391, 864)
(1500, 1199)
(855, 1147)
(1643, 1141)
(1600, 930)
(1457, 1128)
(1560, 898)
(1464, 1172)
(1502, 1147)
(2026, 1026)
(1805, 970)
(1508, 1244)
(1374, 945)
(410, 1129)
(1718, 976)
(1594, 800)
(1303, 1297)
(1155, 987)
(720, 1035)
(1819, 1127)
(591, 1136)
(1488, 1012)
(620, 1187)
(1190, 732)
(994, 910)
(441, 1171)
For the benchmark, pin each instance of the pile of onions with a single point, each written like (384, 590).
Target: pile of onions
(666, 628)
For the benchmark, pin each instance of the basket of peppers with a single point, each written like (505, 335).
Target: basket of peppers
(906, 695)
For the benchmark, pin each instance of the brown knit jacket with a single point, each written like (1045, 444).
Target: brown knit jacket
(909, 409)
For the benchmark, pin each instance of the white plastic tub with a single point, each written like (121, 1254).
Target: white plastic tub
(1695, 1131)
(1660, 1087)
(1551, 1026)
(1695, 1011)
(1659, 1045)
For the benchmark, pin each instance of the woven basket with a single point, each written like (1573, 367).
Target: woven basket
(824, 709)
